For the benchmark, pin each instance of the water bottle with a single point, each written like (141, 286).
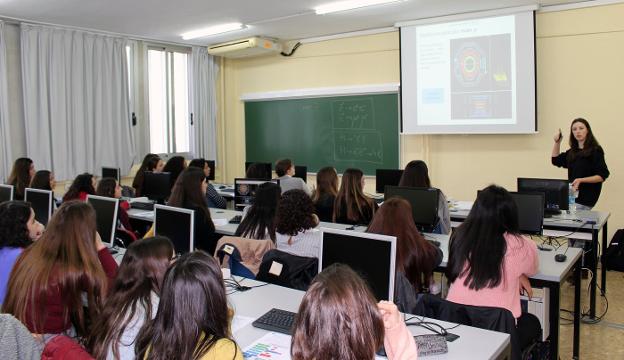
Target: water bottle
(572, 194)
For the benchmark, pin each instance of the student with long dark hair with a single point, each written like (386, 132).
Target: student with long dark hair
(338, 319)
(189, 192)
(489, 260)
(83, 185)
(296, 223)
(18, 230)
(351, 205)
(213, 198)
(174, 166)
(416, 257)
(21, 174)
(259, 221)
(133, 299)
(325, 193)
(585, 161)
(151, 162)
(109, 187)
(54, 278)
(192, 321)
(416, 174)
(44, 180)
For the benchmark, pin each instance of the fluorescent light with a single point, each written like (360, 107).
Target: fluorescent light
(213, 30)
(348, 5)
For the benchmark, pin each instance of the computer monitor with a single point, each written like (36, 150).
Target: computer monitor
(372, 256)
(387, 177)
(6, 193)
(177, 224)
(41, 202)
(555, 192)
(110, 172)
(157, 186)
(245, 191)
(105, 216)
(301, 172)
(211, 165)
(266, 173)
(530, 212)
(424, 202)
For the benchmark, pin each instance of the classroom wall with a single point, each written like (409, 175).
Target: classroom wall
(579, 71)
(14, 84)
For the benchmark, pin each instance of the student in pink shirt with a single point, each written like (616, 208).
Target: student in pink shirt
(338, 319)
(490, 261)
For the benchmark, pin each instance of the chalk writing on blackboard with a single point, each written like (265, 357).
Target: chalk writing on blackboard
(353, 114)
(358, 145)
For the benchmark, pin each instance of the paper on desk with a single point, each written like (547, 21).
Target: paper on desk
(271, 346)
(219, 221)
(239, 322)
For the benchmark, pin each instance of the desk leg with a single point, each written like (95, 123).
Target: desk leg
(603, 268)
(577, 310)
(554, 290)
(593, 268)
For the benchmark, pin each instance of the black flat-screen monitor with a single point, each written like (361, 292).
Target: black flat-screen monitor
(387, 177)
(211, 165)
(372, 256)
(6, 193)
(555, 192)
(105, 216)
(157, 186)
(245, 191)
(424, 202)
(110, 172)
(41, 202)
(265, 170)
(530, 212)
(301, 172)
(177, 224)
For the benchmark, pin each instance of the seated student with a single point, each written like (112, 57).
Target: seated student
(325, 193)
(18, 230)
(295, 225)
(83, 185)
(213, 198)
(351, 205)
(285, 169)
(44, 180)
(58, 283)
(133, 299)
(416, 258)
(189, 192)
(257, 171)
(109, 187)
(21, 174)
(151, 162)
(490, 261)
(338, 319)
(193, 319)
(174, 166)
(416, 174)
(259, 220)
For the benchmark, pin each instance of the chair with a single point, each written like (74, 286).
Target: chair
(16, 341)
(249, 254)
(284, 269)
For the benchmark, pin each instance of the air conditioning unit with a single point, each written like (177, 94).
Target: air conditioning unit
(255, 46)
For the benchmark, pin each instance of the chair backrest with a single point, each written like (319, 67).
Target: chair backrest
(284, 269)
(229, 257)
(250, 252)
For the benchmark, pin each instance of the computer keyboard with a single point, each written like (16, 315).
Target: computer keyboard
(142, 205)
(236, 219)
(228, 190)
(276, 320)
(434, 242)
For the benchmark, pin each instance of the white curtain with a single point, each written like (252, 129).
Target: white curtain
(76, 107)
(5, 134)
(204, 71)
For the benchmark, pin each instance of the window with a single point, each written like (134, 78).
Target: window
(168, 101)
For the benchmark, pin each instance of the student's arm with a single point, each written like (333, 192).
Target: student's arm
(530, 260)
(106, 259)
(398, 342)
(214, 199)
(305, 187)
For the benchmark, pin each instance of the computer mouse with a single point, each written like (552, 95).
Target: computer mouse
(560, 257)
(222, 187)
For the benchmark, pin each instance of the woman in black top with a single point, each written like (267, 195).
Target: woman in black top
(351, 205)
(585, 161)
(325, 193)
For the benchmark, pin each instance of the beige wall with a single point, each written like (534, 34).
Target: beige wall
(580, 72)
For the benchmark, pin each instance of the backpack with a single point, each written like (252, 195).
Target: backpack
(614, 256)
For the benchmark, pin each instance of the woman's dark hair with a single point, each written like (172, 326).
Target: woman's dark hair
(295, 213)
(352, 196)
(150, 161)
(175, 165)
(41, 180)
(589, 145)
(326, 183)
(477, 247)
(198, 163)
(82, 183)
(106, 187)
(415, 257)
(14, 216)
(140, 273)
(260, 219)
(187, 191)
(20, 175)
(282, 166)
(337, 319)
(192, 315)
(257, 171)
(415, 174)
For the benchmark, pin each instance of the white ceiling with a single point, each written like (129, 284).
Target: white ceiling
(166, 20)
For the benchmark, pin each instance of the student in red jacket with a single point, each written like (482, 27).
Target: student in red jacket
(83, 185)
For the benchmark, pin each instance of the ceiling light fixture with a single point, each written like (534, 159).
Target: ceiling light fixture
(213, 30)
(348, 5)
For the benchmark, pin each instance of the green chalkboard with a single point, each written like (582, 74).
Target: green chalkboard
(342, 131)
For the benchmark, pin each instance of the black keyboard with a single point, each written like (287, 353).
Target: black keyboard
(236, 219)
(142, 205)
(434, 242)
(276, 320)
(228, 190)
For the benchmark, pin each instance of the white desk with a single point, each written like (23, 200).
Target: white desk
(225, 190)
(472, 342)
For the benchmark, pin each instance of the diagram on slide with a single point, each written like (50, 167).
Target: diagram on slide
(481, 77)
